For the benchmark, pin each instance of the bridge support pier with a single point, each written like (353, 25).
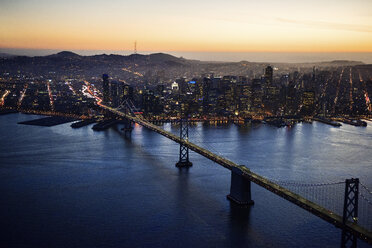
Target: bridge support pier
(184, 151)
(349, 239)
(127, 128)
(240, 189)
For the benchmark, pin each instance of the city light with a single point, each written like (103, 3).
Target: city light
(2, 100)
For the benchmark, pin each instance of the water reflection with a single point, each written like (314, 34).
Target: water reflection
(239, 224)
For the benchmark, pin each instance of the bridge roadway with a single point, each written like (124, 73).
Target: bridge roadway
(300, 201)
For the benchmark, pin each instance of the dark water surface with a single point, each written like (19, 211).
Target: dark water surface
(64, 187)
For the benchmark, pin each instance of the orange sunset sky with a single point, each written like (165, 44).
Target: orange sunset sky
(231, 26)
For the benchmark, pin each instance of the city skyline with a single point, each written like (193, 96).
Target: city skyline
(238, 26)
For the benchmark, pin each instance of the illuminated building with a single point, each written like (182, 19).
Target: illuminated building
(244, 94)
(182, 85)
(228, 101)
(206, 85)
(269, 75)
(114, 93)
(151, 103)
(127, 92)
(106, 88)
(308, 100)
(174, 86)
(257, 95)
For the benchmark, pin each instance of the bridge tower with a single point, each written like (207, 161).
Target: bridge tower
(184, 151)
(128, 107)
(349, 239)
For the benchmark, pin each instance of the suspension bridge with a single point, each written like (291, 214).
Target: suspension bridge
(347, 204)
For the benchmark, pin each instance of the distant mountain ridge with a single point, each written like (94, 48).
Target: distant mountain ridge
(343, 62)
(64, 54)
(70, 63)
(164, 57)
(7, 55)
(145, 68)
(154, 57)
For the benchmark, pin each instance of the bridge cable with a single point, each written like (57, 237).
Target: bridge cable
(207, 144)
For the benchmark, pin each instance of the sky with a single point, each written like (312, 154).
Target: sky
(193, 25)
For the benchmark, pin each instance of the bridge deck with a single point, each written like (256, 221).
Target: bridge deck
(257, 179)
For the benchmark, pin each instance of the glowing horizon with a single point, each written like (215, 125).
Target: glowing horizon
(208, 26)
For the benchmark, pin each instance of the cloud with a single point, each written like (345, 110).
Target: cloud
(328, 25)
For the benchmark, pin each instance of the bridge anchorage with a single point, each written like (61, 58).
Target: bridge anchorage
(184, 150)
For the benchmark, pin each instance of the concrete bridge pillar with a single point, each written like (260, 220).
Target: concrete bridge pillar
(240, 189)
(127, 128)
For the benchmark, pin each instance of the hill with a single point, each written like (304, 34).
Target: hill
(139, 68)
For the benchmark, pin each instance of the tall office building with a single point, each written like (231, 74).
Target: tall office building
(114, 96)
(106, 88)
(117, 90)
(206, 85)
(257, 95)
(308, 101)
(244, 94)
(269, 75)
(128, 92)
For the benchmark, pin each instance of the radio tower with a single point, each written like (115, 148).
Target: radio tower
(135, 47)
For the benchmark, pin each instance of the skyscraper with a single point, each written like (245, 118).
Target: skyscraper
(269, 75)
(127, 92)
(308, 100)
(106, 88)
(257, 95)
